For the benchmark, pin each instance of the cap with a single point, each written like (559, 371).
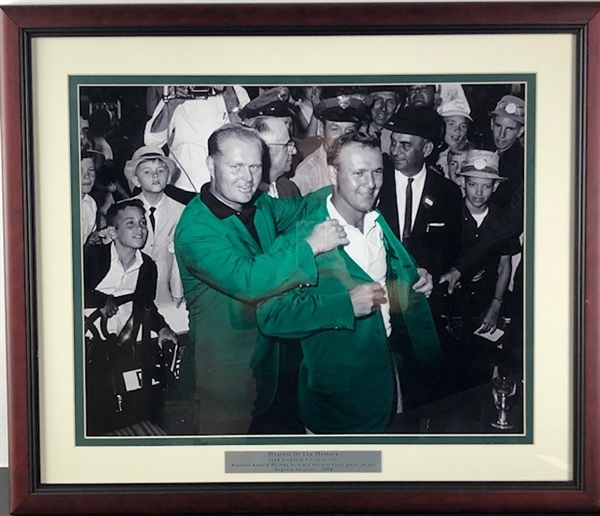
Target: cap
(273, 102)
(455, 107)
(148, 152)
(343, 108)
(419, 121)
(511, 107)
(483, 164)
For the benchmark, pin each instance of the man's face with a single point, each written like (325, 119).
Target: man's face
(236, 171)
(281, 148)
(408, 152)
(333, 130)
(384, 106)
(505, 131)
(455, 163)
(152, 176)
(88, 175)
(456, 129)
(420, 95)
(357, 180)
(130, 225)
(479, 190)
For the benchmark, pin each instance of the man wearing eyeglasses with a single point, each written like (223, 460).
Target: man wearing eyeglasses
(274, 132)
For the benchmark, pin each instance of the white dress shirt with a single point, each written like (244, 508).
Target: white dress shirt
(119, 282)
(366, 249)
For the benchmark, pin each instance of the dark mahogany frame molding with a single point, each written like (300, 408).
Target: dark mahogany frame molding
(19, 25)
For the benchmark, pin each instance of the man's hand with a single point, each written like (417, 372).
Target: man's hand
(424, 285)
(452, 277)
(367, 298)
(327, 236)
(166, 333)
(490, 318)
(109, 309)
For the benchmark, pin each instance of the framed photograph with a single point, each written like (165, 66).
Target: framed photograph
(168, 352)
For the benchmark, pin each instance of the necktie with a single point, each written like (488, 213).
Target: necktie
(152, 219)
(408, 211)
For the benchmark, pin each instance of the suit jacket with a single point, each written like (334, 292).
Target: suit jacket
(347, 375)
(159, 246)
(225, 272)
(435, 240)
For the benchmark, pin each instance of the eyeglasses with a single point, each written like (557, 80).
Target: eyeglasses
(290, 146)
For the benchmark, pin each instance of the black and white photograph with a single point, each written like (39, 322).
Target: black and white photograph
(334, 259)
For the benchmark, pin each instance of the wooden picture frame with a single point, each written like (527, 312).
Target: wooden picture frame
(22, 26)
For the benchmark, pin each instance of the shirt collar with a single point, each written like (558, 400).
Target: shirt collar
(147, 205)
(114, 257)
(417, 178)
(369, 221)
(219, 209)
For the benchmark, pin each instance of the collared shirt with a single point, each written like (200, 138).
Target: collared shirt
(120, 282)
(312, 173)
(89, 210)
(222, 211)
(366, 249)
(418, 185)
(157, 211)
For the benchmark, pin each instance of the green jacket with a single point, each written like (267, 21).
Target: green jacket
(225, 273)
(347, 375)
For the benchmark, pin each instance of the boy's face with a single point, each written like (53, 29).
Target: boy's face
(131, 229)
(455, 163)
(152, 176)
(88, 175)
(456, 129)
(505, 131)
(479, 190)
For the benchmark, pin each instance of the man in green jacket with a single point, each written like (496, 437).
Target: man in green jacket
(222, 246)
(367, 335)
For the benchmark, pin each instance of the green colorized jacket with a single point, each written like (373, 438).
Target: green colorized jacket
(225, 273)
(347, 375)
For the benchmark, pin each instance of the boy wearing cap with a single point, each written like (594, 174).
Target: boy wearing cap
(508, 125)
(340, 115)
(150, 170)
(480, 299)
(457, 118)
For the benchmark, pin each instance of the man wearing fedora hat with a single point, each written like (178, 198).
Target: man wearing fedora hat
(508, 125)
(422, 207)
(151, 171)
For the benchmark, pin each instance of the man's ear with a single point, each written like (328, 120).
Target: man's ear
(332, 173)
(136, 181)
(427, 149)
(521, 131)
(496, 184)
(210, 165)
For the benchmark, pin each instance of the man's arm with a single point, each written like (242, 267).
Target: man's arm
(208, 254)
(490, 318)
(510, 225)
(300, 313)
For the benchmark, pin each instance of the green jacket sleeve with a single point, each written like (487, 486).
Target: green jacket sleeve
(300, 313)
(213, 260)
